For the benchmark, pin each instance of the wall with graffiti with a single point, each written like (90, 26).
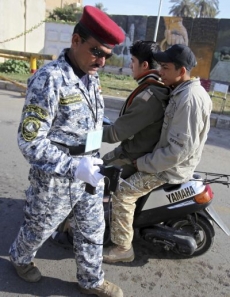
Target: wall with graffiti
(208, 38)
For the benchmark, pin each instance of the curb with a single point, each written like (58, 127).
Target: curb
(220, 121)
(5, 85)
(115, 103)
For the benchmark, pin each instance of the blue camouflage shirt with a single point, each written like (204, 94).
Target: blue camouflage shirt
(58, 108)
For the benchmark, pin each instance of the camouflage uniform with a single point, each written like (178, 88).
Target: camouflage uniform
(59, 109)
(124, 204)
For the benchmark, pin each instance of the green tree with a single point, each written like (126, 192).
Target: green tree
(183, 8)
(207, 8)
(100, 6)
(195, 8)
(66, 13)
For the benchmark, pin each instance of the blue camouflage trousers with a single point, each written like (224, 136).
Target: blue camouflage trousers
(47, 205)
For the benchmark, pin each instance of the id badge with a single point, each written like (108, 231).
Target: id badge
(93, 140)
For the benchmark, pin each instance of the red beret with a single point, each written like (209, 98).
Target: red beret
(101, 27)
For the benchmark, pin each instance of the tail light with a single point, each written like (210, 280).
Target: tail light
(205, 196)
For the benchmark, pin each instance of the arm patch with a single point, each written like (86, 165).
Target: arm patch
(42, 113)
(30, 127)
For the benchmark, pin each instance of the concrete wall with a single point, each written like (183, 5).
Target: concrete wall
(57, 37)
(208, 38)
(18, 17)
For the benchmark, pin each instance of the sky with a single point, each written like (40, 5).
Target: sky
(148, 7)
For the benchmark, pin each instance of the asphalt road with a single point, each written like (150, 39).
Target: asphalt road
(154, 272)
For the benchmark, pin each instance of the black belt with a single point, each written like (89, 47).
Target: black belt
(73, 150)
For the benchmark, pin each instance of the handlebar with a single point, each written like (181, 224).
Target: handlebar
(113, 173)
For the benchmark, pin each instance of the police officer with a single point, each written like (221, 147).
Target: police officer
(139, 124)
(59, 134)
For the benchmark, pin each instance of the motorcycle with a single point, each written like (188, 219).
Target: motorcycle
(179, 217)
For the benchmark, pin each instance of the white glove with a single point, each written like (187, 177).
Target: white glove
(88, 171)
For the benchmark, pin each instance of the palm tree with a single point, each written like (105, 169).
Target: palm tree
(100, 6)
(195, 8)
(207, 8)
(183, 8)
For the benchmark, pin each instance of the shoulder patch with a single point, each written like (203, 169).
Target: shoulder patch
(42, 113)
(70, 99)
(146, 94)
(30, 127)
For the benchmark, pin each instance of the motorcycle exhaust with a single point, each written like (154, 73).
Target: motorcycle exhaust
(176, 240)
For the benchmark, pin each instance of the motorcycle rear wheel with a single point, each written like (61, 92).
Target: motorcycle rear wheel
(202, 231)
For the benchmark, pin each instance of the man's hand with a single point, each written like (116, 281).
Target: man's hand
(88, 170)
(135, 164)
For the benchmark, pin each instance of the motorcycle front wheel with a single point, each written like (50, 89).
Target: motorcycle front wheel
(200, 228)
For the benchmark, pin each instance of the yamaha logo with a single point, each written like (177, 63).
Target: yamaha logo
(180, 195)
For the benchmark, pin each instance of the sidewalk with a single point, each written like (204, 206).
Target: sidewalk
(217, 120)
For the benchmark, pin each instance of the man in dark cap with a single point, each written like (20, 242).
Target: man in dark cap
(59, 135)
(176, 155)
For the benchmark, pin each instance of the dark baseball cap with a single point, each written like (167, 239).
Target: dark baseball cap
(179, 54)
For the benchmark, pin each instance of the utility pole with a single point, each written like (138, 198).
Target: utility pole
(157, 22)
(25, 24)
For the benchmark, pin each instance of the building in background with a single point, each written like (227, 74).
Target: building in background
(22, 25)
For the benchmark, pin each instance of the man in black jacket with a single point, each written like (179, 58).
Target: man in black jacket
(138, 126)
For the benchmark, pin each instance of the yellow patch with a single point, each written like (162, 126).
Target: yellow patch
(70, 99)
(42, 113)
(30, 127)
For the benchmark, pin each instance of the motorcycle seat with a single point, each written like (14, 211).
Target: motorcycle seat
(197, 176)
(171, 187)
